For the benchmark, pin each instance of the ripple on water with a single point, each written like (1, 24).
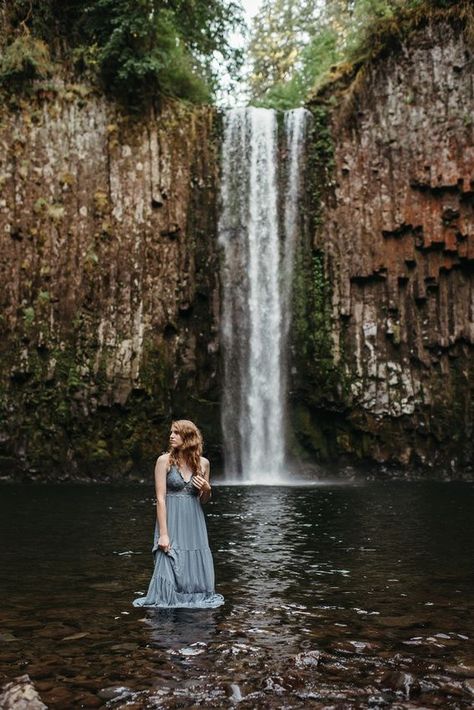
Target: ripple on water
(334, 595)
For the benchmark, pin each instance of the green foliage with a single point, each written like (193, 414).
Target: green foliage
(28, 316)
(291, 44)
(321, 52)
(138, 56)
(298, 60)
(321, 315)
(284, 95)
(321, 158)
(26, 58)
(381, 25)
(277, 40)
(135, 50)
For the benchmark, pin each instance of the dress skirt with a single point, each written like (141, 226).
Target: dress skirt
(183, 577)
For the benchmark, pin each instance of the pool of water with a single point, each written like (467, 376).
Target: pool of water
(344, 596)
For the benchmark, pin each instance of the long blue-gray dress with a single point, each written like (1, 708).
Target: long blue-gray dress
(184, 576)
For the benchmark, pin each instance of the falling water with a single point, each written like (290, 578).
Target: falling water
(256, 280)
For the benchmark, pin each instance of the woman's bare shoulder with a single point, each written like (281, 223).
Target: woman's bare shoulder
(205, 462)
(163, 459)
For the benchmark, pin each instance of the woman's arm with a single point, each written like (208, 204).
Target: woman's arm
(202, 482)
(160, 487)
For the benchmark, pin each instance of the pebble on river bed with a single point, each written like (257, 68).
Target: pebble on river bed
(308, 658)
(398, 680)
(114, 692)
(469, 685)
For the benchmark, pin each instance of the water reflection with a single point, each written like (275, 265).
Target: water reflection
(178, 629)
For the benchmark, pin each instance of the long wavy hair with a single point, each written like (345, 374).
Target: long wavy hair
(191, 450)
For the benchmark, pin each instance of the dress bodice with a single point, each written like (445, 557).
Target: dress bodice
(176, 485)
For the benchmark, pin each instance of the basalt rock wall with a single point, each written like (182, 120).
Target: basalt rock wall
(109, 285)
(384, 336)
(109, 293)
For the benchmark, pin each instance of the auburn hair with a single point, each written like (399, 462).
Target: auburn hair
(191, 450)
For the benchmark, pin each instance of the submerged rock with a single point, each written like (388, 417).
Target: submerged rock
(308, 659)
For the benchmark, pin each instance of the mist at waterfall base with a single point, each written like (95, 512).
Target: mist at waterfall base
(259, 227)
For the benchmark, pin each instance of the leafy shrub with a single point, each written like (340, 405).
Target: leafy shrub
(134, 49)
(25, 59)
(138, 55)
(349, 31)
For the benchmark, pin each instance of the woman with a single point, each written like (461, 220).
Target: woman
(184, 571)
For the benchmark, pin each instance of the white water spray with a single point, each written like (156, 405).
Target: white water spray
(256, 281)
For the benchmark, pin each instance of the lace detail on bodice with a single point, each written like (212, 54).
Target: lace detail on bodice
(176, 485)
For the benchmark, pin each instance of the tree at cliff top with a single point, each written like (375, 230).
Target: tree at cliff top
(294, 43)
(284, 46)
(134, 49)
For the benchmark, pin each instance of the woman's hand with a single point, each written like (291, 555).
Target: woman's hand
(201, 483)
(164, 543)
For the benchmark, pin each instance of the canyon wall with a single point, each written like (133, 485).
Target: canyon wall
(109, 272)
(384, 299)
(109, 295)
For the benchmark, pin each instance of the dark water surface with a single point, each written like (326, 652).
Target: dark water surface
(338, 596)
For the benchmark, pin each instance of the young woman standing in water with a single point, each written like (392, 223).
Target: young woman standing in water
(183, 575)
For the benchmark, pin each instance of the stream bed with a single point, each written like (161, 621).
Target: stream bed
(353, 595)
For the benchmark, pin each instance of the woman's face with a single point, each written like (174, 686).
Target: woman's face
(175, 439)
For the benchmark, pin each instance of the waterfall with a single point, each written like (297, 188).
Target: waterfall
(256, 281)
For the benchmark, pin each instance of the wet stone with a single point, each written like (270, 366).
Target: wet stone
(433, 700)
(87, 700)
(75, 637)
(235, 694)
(274, 684)
(452, 687)
(8, 657)
(308, 659)
(40, 670)
(398, 680)
(124, 647)
(334, 668)
(114, 691)
(460, 670)
(56, 632)
(20, 694)
(59, 697)
(42, 685)
(86, 683)
(26, 625)
(469, 685)
(356, 647)
(400, 622)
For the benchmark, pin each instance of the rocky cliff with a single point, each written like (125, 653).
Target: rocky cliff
(110, 272)
(384, 335)
(109, 294)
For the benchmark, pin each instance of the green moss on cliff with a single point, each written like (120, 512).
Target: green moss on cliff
(312, 293)
(320, 160)
(58, 412)
(386, 36)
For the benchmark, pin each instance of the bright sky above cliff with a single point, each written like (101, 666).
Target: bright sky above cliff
(251, 7)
